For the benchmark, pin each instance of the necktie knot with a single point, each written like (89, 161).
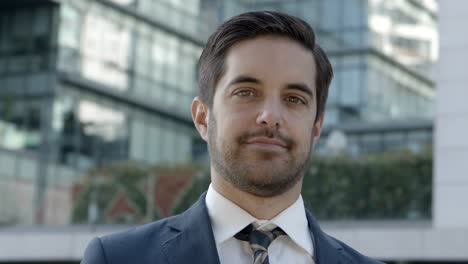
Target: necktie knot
(259, 241)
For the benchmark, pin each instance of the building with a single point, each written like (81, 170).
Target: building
(89, 82)
(451, 144)
(443, 239)
(94, 81)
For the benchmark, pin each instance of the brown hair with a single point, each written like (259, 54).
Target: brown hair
(254, 24)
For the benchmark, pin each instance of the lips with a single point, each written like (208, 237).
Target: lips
(267, 142)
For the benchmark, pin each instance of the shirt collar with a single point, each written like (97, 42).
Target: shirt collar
(228, 219)
(293, 221)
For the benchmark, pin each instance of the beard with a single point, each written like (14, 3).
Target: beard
(263, 175)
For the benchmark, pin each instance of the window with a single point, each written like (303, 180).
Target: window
(90, 132)
(331, 14)
(143, 65)
(138, 141)
(351, 90)
(70, 27)
(353, 13)
(21, 31)
(105, 47)
(371, 143)
(335, 88)
(158, 57)
(20, 122)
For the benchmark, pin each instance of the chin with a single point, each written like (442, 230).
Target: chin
(266, 190)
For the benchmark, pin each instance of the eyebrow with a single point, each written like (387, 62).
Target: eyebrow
(301, 87)
(243, 79)
(291, 86)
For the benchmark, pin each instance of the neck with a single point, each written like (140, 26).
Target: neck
(262, 208)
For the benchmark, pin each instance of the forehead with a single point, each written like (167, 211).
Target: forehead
(271, 54)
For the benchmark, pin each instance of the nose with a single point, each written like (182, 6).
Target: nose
(270, 115)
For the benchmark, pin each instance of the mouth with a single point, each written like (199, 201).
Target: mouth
(271, 144)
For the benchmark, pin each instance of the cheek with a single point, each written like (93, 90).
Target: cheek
(228, 128)
(235, 121)
(306, 138)
(303, 133)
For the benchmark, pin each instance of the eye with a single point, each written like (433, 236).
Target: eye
(245, 93)
(295, 100)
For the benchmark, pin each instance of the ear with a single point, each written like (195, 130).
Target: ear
(317, 129)
(200, 117)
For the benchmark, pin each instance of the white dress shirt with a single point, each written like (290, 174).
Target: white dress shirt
(228, 219)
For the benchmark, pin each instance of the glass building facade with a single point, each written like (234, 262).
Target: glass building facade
(89, 82)
(84, 83)
(141, 77)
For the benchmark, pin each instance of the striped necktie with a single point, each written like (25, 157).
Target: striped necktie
(259, 241)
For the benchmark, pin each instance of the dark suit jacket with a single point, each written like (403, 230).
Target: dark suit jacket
(188, 238)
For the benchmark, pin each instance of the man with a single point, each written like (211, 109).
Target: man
(263, 87)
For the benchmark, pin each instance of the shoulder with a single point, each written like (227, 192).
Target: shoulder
(351, 255)
(148, 233)
(128, 246)
(330, 248)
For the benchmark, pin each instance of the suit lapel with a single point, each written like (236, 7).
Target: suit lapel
(326, 250)
(190, 237)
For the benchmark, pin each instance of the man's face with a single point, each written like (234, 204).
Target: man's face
(261, 126)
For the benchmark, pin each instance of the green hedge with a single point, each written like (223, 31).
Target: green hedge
(397, 186)
(103, 185)
(385, 186)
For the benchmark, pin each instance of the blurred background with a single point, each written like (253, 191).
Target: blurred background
(96, 133)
